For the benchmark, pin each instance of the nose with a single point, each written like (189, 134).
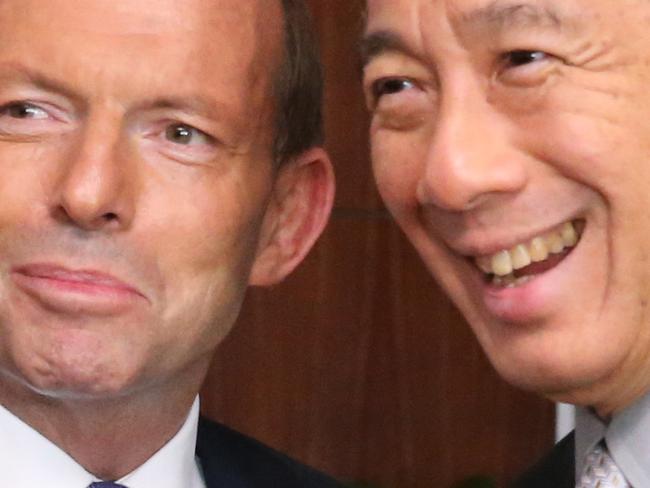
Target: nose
(470, 160)
(95, 188)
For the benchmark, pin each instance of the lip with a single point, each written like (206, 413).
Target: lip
(526, 303)
(78, 291)
(480, 246)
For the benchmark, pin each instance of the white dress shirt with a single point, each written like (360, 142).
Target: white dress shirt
(29, 460)
(627, 436)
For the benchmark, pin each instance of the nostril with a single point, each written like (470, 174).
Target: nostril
(110, 216)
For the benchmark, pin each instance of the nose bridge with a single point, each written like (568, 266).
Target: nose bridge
(470, 158)
(93, 190)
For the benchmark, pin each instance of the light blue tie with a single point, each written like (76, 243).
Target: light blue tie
(105, 484)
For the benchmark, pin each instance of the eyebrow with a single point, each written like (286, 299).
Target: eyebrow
(495, 17)
(380, 42)
(17, 71)
(191, 104)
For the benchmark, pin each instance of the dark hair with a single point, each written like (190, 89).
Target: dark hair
(299, 86)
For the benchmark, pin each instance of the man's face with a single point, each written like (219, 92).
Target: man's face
(135, 154)
(515, 135)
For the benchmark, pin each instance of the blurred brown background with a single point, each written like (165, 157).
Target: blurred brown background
(358, 364)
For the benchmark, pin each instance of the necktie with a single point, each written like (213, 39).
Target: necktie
(105, 484)
(601, 471)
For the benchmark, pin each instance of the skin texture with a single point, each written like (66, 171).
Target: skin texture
(98, 175)
(475, 151)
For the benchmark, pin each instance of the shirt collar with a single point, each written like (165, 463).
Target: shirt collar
(30, 459)
(627, 437)
(590, 430)
(175, 464)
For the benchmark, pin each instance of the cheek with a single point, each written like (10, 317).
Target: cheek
(398, 166)
(206, 220)
(204, 247)
(611, 157)
(597, 135)
(208, 238)
(26, 171)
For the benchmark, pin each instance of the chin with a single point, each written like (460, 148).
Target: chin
(556, 376)
(75, 379)
(63, 362)
(531, 378)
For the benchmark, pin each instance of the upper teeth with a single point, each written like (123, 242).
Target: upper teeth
(538, 249)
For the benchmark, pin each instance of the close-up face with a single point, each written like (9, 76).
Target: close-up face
(137, 164)
(511, 142)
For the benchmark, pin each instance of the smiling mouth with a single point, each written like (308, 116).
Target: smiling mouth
(517, 266)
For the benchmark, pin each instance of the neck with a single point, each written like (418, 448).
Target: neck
(109, 437)
(608, 398)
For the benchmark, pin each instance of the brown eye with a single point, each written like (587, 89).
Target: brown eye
(523, 57)
(20, 110)
(180, 134)
(390, 86)
(186, 135)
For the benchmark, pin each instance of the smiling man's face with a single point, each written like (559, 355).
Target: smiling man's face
(511, 141)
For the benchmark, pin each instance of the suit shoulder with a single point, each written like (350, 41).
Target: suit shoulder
(556, 469)
(229, 458)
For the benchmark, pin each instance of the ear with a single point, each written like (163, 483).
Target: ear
(299, 208)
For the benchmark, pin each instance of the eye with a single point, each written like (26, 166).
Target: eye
(390, 86)
(524, 57)
(527, 67)
(23, 110)
(26, 119)
(186, 135)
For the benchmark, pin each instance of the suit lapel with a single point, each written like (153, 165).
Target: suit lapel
(556, 470)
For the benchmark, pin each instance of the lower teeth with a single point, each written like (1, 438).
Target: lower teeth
(510, 281)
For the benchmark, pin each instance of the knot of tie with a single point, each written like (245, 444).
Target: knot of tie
(105, 484)
(601, 471)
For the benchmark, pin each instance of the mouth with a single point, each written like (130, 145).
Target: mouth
(514, 267)
(75, 290)
(89, 278)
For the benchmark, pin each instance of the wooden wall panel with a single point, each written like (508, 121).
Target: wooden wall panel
(358, 364)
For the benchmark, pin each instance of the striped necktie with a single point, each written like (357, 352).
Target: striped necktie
(601, 471)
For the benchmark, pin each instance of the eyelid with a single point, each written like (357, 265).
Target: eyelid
(53, 111)
(383, 83)
(534, 53)
(532, 73)
(26, 106)
(200, 152)
(395, 66)
(374, 94)
(154, 127)
(206, 136)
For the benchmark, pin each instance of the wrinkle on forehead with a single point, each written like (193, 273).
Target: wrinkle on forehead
(501, 14)
(496, 13)
(412, 26)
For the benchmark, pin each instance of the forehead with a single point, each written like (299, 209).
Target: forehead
(135, 47)
(420, 28)
(428, 15)
(212, 20)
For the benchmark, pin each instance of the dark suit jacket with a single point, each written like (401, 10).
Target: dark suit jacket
(556, 470)
(232, 460)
